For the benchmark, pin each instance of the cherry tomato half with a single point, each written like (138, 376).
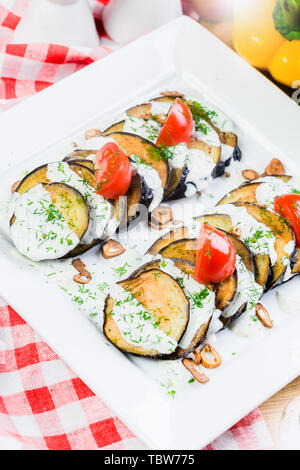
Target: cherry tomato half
(113, 173)
(178, 126)
(288, 206)
(216, 256)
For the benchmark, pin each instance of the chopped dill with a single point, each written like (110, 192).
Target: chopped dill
(198, 297)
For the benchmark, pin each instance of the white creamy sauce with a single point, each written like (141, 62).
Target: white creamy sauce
(40, 231)
(288, 304)
(174, 377)
(215, 326)
(221, 121)
(89, 298)
(137, 325)
(180, 155)
(206, 133)
(289, 247)
(265, 194)
(226, 152)
(151, 178)
(191, 190)
(101, 211)
(248, 291)
(271, 187)
(200, 165)
(147, 129)
(257, 236)
(202, 300)
(218, 118)
(160, 107)
(194, 228)
(247, 326)
(288, 273)
(12, 204)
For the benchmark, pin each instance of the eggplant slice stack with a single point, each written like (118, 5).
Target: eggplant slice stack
(206, 123)
(263, 271)
(247, 194)
(75, 190)
(160, 311)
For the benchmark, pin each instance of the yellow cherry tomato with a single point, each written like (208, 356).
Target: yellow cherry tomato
(254, 35)
(285, 65)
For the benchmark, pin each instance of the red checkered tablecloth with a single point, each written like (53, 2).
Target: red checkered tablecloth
(43, 404)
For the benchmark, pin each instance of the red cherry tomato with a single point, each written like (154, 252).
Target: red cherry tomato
(288, 206)
(178, 126)
(216, 256)
(113, 173)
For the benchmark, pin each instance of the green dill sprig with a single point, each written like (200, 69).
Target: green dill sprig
(198, 297)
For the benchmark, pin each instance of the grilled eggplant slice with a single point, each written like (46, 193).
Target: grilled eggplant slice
(225, 291)
(263, 270)
(81, 157)
(185, 249)
(283, 233)
(200, 335)
(176, 188)
(120, 207)
(243, 251)
(198, 339)
(185, 266)
(116, 127)
(220, 221)
(227, 321)
(71, 204)
(145, 150)
(39, 175)
(160, 295)
(139, 195)
(212, 151)
(247, 192)
(227, 138)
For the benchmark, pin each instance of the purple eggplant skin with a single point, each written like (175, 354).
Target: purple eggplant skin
(178, 193)
(144, 200)
(229, 321)
(81, 249)
(219, 169)
(222, 165)
(281, 280)
(237, 154)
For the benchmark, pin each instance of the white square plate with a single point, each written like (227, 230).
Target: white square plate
(270, 123)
